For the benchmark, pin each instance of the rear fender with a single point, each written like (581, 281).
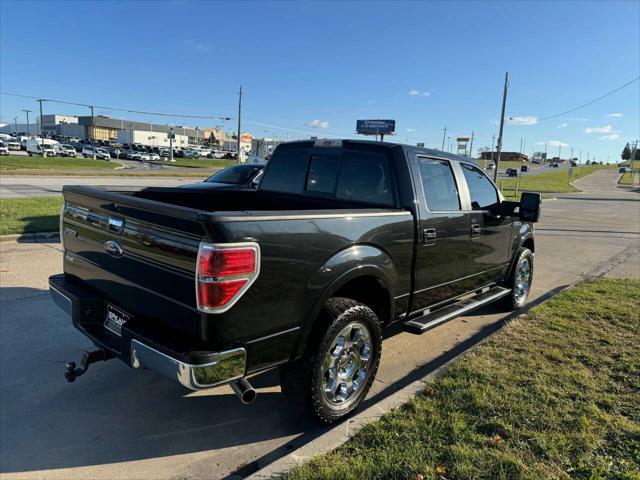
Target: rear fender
(358, 261)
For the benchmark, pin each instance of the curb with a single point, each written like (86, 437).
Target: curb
(31, 237)
(342, 432)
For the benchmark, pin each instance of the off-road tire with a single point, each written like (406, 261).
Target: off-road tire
(511, 302)
(301, 380)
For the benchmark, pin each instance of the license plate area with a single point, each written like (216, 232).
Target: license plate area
(114, 319)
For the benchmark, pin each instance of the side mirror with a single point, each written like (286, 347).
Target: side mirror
(530, 206)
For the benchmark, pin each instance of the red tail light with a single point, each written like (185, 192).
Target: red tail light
(224, 273)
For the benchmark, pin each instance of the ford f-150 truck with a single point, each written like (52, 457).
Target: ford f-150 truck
(340, 239)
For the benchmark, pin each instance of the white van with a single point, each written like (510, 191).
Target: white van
(36, 145)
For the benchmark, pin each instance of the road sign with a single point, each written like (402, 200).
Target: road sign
(375, 127)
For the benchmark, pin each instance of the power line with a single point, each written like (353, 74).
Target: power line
(590, 102)
(159, 114)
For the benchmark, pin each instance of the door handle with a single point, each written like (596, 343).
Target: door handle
(475, 230)
(429, 236)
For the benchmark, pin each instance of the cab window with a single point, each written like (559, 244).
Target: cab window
(482, 192)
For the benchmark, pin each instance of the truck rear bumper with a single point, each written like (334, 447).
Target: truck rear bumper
(195, 370)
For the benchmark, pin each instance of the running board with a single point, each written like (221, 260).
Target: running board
(442, 315)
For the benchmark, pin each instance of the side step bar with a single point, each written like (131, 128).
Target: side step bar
(432, 319)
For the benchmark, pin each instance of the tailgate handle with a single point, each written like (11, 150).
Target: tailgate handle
(116, 225)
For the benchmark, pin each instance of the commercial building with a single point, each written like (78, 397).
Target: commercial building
(505, 156)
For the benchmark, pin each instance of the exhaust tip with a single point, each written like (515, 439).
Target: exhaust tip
(244, 391)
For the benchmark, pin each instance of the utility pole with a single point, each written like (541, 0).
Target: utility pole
(504, 104)
(448, 144)
(493, 146)
(471, 146)
(93, 135)
(239, 123)
(521, 146)
(444, 135)
(15, 122)
(580, 160)
(41, 130)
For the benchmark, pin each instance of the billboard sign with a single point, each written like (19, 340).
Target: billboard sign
(373, 127)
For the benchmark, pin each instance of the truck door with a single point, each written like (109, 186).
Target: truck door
(443, 234)
(489, 230)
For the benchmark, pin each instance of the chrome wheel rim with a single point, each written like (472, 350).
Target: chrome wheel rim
(523, 279)
(346, 362)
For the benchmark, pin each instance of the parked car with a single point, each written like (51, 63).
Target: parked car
(340, 239)
(216, 154)
(4, 149)
(13, 144)
(235, 177)
(491, 166)
(101, 153)
(154, 157)
(164, 152)
(555, 165)
(512, 172)
(624, 170)
(67, 150)
(191, 154)
(524, 168)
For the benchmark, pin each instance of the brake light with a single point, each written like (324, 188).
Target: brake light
(224, 273)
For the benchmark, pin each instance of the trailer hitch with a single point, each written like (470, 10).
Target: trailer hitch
(71, 372)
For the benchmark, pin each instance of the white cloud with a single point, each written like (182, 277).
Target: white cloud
(315, 123)
(523, 120)
(553, 143)
(612, 136)
(605, 129)
(419, 93)
(613, 115)
(411, 130)
(197, 46)
(563, 125)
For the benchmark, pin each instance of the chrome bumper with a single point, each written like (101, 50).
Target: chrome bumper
(226, 367)
(221, 367)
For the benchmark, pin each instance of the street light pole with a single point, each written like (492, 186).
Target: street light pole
(28, 126)
(239, 123)
(41, 129)
(15, 122)
(93, 135)
(504, 104)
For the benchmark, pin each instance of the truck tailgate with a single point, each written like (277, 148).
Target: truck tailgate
(137, 254)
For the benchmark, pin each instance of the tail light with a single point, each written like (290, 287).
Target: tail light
(224, 272)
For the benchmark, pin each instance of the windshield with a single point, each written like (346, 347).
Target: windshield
(235, 175)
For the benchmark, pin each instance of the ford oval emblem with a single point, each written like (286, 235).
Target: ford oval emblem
(113, 248)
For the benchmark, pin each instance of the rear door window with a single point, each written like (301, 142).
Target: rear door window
(365, 177)
(439, 185)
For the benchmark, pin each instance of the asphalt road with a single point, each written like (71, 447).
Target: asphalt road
(117, 423)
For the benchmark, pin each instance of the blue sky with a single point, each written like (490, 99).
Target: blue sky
(314, 68)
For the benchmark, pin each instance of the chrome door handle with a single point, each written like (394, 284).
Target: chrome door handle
(429, 236)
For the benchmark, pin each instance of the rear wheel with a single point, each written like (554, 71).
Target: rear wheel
(520, 280)
(339, 366)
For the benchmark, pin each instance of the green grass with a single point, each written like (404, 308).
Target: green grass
(554, 395)
(627, 178)
(12, 163)
(556, 181)
(198, 163)
(29, 215)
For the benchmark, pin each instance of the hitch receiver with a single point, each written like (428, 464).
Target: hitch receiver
(71, 372)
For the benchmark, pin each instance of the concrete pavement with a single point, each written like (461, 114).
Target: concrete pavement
(116, 422)
(47, 185)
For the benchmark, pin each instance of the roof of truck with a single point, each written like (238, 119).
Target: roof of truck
(431, 152)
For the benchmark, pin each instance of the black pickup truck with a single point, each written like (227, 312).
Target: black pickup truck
(340, 239)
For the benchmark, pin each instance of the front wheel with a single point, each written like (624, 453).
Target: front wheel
(520, 280)
(337, 369)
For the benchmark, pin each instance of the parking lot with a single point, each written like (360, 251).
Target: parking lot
(116, 422)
